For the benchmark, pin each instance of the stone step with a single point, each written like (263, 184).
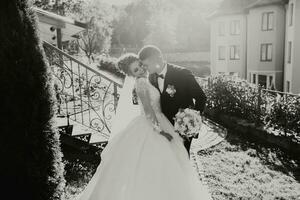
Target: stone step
(82, 132)
(97, 137)
(100, 145)
(84, 137)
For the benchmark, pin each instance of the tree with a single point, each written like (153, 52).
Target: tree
(162, 26)
(192, 31)
(31, 159)
(120, 28)
(171, 24)
(61, 7)
(97, 37)
(130, 27)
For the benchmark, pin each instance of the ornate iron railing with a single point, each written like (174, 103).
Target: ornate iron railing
(83, 94)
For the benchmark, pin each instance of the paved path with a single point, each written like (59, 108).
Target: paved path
(211, 134)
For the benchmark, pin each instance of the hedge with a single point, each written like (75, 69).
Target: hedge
(31, 166)
(237, 97)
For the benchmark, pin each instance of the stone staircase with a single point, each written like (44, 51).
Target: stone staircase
(86, 103)
(82, 139)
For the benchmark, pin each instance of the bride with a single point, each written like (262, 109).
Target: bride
(145, 158)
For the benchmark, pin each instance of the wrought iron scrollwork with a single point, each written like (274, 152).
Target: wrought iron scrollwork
(83, 94)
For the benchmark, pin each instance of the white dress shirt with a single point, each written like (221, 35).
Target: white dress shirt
(161, 81)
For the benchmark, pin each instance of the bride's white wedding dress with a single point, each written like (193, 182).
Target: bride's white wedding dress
(141, 164)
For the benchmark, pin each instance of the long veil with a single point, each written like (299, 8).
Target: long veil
(126, 110)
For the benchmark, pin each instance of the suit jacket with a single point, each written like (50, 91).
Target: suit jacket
(188, 92)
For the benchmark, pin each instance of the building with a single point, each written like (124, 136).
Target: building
(265, 46)
(265, 43)
(56, 29)
(292, 45)
(229, 38)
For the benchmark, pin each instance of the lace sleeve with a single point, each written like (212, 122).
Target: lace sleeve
(142, 89)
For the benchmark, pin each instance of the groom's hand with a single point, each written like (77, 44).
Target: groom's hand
(167, 135)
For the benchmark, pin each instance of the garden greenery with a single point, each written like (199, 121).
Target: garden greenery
(237, 97)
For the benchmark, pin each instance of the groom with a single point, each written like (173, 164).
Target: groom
(177, 85)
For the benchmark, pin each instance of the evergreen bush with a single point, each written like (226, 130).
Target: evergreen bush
(31, 159)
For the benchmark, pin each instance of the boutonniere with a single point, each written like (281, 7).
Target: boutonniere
(171, 90)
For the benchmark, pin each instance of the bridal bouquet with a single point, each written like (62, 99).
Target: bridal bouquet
(188, 122)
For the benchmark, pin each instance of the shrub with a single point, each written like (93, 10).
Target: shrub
(236, 97)
(32, 165)
(79, 170)
(78, 173)
(109, 64)
(233, 96)
(283, 113)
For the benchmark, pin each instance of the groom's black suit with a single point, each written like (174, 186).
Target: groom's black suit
(187, 91)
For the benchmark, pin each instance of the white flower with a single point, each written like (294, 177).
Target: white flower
(176, 126)
(171, 90)
(182, 114)
(186, 120)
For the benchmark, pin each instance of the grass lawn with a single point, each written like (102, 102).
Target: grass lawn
(239, 168)
(78, 174)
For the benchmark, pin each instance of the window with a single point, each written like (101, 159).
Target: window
(266, 81)
(234, 52)
(262, 80)
(267, 21)
(221, 28)
(291, 14)
(254, 78)
(221, 53)
(288, 86)
(235, 27)
(289, 56)
(266, 52)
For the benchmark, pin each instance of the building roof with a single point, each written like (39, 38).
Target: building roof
(49, 21)
(230, 7)
(259, 3)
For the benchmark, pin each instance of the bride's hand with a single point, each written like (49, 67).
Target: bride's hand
(167, 135)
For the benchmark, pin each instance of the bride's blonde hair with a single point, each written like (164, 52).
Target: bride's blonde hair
(125, 61)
